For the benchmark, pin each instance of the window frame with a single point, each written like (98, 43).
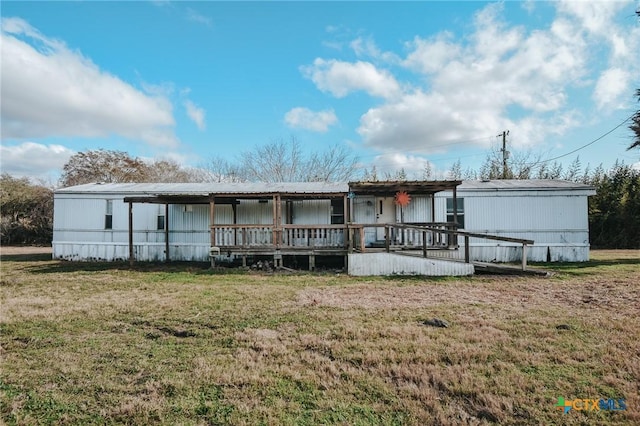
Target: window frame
(108, 215)
(337, 211)
(460, 214)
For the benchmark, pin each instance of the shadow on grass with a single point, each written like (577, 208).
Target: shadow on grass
(585, 267)
(31, 257)
(62, 266)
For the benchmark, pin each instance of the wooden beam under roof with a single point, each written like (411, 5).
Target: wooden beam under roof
(412, 187)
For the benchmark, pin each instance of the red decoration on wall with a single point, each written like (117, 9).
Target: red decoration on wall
(402, 198)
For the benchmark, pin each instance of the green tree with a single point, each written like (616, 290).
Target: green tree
(635, 126)
(103, 166)
(614, 212)
(26, 212)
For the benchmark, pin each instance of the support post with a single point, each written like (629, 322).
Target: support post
(167, 258)
(347, 220)
(454, 238)
(524, 257)
(466, 249)
(433, 207)
(362, 244)
(312, 262)
(387, 243)
(234, 209)
(212, 205)
(131, 234)
(424, 243)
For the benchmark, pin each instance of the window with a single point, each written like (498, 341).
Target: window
(337, 212)
(160, 222)
(108, 217)
(460, 205)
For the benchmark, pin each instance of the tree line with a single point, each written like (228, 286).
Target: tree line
(614, 212)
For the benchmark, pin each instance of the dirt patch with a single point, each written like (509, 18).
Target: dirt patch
(514, 292)
(13, 250)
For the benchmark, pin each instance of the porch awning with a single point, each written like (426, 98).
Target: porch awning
(412, 187)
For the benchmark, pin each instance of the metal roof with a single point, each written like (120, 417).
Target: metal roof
(204, 189)
(523, 184)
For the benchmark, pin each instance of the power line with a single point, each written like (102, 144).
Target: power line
(459, 142)
(583, 146)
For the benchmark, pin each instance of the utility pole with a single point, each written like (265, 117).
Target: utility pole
(505, 153)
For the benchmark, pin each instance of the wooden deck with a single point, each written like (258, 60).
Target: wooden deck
(418, 240)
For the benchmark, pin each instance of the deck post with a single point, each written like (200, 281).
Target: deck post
(466, 249)
(362, 244)
(455, 217)
(524, 257)
(166, 233)
(387, 243)
(234, 209)
(433, 207)
(424, 243)
(347, 220)
(212, 205)
(131, 233)
(312, 262)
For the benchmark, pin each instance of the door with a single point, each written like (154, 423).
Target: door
(385, 213)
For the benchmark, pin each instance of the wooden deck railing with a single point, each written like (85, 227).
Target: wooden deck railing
(450, 234)
(285, 236)
(352, 237)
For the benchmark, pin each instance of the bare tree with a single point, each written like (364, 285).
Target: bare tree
(334, 165)
(103, 166)
(278, 161)
(218, 170)
(170, 171)
(283, 161)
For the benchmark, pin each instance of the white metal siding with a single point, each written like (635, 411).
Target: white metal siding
(418, 210)
(363, 264)
(254, 212)
(557, 221)
(364, 211)
(312, 212)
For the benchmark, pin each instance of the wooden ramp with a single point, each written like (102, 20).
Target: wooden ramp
(504, 269)
(479, 267)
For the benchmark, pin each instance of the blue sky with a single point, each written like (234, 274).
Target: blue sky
(402, 84)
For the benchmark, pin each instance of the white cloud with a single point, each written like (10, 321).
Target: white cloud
(33, 159)
(611, 86)
(51, 90)
(341, 78)
(196, 114)
(413, 165)
(474, 83)
(429, 56)
(529, 5)
(304, 118)
(364, 47)
(195, 16)
(498, 76)
(594, 16)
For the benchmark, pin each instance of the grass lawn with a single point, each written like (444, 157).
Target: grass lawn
(99, 343)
